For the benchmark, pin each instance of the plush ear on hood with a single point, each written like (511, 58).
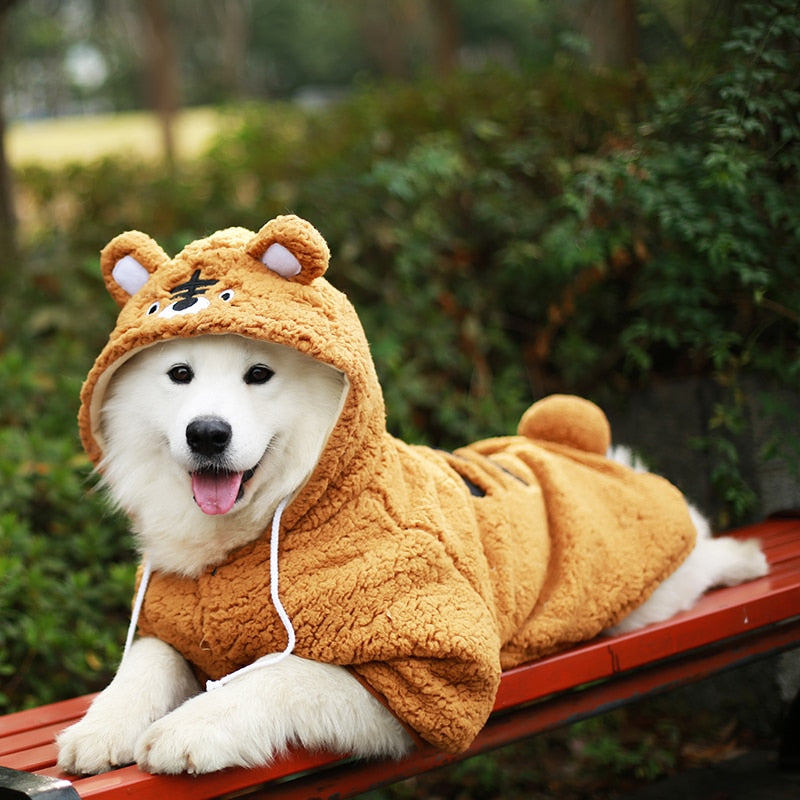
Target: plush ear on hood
(291, 247)
(127, 262)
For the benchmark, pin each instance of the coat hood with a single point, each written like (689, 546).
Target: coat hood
(269, 286)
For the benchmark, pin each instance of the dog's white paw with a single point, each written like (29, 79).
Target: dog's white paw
(98, 744)
(200, 736)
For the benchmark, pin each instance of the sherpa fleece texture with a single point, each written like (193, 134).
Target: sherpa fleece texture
(424, 572)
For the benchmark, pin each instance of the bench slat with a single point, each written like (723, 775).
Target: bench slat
(131, 782)
(18, 742)
(33, 759)
(62, 711)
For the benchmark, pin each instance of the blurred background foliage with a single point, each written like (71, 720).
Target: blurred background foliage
(517, 202)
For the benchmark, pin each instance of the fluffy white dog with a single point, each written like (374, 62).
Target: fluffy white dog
(204, 436)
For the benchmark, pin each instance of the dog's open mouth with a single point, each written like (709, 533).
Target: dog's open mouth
(216, 491)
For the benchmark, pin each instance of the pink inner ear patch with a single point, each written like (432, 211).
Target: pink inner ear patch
(129, 274)
(277, 258)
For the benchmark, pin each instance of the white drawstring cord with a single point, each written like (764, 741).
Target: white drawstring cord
(137, 606)
(272, 658)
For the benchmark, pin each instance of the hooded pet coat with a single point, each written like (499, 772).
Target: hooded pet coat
(424, 572)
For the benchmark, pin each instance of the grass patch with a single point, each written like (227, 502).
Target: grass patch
(62, 140)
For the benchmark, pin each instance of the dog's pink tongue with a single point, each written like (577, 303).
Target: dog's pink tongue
(216, 492)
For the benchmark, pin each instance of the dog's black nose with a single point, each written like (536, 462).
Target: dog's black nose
(208, 436)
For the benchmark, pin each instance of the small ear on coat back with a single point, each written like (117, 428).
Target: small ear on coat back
(128, 261)
(292, 248)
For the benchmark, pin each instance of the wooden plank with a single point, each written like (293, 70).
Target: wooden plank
(32, 759)
(17, 742)
(132, 782)
(62, 711)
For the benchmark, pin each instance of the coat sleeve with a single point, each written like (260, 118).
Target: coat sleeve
(444, 701)
(437, 666)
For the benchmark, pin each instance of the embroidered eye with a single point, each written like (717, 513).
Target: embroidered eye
(181, 373)
(226, 296)
(258, 374)
(152, 310)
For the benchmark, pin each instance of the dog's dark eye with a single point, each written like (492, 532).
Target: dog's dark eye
(181, 373)
(258, 374)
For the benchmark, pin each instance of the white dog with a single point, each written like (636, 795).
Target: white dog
(204, 437)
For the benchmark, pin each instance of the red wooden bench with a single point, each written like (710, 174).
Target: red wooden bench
(728, 628)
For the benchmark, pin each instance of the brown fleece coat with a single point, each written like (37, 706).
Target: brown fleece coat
(424, 572)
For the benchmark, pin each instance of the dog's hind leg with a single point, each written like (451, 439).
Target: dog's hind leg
(733, 561)
(720, 561)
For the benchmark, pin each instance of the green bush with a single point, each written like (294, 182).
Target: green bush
(691, 229)
(66, 566)
(433, 198)
(65, 563)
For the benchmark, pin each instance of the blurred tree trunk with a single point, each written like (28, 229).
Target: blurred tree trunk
(234, 20)
(447, 35)
(162, 67)
(8, 217)
(385, 30)
(612, 31)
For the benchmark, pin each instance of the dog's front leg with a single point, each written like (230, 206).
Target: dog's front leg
(257, 715)
(152, 680)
